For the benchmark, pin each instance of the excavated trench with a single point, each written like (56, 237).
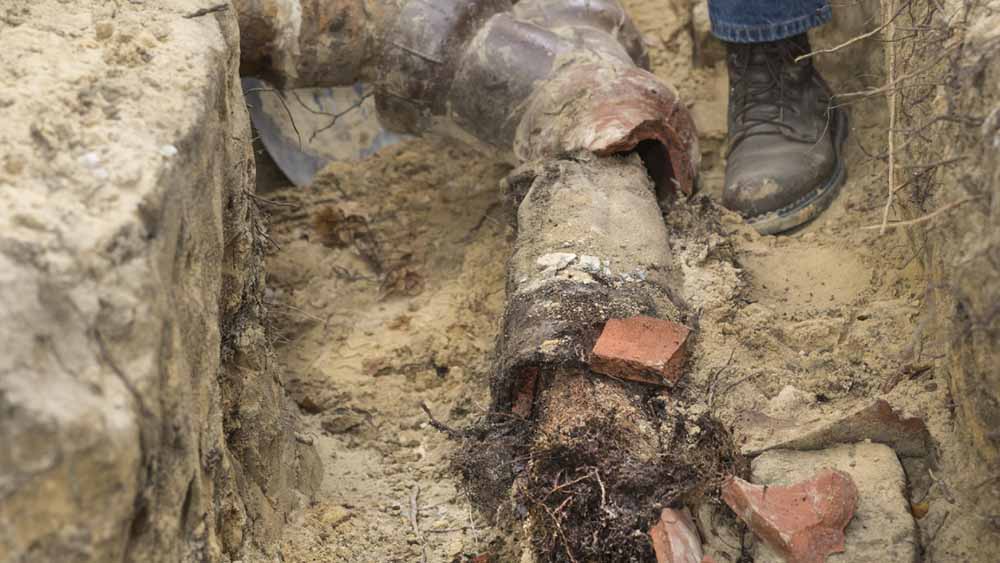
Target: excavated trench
(389, 289)
(364, 352)
(388, 313)
(391, 363)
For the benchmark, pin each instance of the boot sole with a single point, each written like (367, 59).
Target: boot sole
(815, 202)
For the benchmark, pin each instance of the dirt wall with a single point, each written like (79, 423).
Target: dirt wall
(141, 416)
(950, 159)
(942, 143)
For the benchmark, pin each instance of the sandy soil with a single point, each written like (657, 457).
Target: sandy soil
(362, 356)
(831, 310)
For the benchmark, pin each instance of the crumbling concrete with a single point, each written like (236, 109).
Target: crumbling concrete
(140, 416)
(882, 528)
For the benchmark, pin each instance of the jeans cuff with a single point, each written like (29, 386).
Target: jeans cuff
(736, 33)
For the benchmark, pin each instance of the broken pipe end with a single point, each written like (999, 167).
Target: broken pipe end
(607, 108)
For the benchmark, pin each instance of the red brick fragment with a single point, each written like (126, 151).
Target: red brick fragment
(675, 538)
(803, 522)
(641, 349)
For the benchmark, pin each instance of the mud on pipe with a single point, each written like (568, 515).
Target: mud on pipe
(337, 42)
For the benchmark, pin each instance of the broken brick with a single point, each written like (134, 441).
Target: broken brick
(803, 522)
(675, 538)
(882, 529)
(876, 421)
(641, 349)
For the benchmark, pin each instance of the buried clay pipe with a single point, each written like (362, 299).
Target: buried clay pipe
(339, 42)
(531, 81)
(591, 246)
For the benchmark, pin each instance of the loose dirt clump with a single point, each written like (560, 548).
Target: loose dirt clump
(599, 471)
(593, 470)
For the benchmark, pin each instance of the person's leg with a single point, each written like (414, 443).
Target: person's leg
(757, 21)
(783, 164)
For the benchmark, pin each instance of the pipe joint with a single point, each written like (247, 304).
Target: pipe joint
(420, 57)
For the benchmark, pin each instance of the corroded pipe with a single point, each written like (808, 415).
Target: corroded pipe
(585, 22)
(531, 92)
(311, 42)
(530, 81)
(591, 245)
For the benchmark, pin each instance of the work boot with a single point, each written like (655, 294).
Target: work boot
(784, 163)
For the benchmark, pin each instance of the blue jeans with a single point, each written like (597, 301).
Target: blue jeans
(757, 21)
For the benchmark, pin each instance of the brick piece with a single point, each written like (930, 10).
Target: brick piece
(675, 538)
(882, 529)
(641, 349)
(876, 421)
(803, 522)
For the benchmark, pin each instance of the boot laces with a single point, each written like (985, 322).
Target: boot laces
(762, 92)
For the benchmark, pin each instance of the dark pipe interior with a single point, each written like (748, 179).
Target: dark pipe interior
(656, 159)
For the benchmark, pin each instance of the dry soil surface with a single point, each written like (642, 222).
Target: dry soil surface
(363, 350)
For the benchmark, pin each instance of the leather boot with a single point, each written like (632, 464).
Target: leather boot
(784, 163)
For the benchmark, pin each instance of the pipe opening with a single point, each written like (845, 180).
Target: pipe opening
(656, 158)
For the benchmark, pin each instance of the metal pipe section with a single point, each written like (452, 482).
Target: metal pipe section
(300, 43)
(530, 81)
(585, 22)
(482, 70)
